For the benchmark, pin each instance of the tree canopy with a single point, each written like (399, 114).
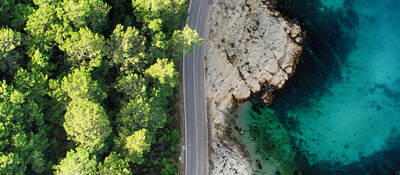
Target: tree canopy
(77, 162)
(79, 85)
(89, 86)
(84, 48)
(87, 124)
(85, 13)
(9, 56)
(114, 164)
(167, 13)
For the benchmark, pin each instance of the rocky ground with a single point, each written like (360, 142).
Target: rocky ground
(249, 49)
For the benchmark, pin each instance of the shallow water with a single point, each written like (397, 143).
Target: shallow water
(342, 108)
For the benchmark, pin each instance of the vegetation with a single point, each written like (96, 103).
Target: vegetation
(88, 86)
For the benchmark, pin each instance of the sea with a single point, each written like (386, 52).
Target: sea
(341, 108)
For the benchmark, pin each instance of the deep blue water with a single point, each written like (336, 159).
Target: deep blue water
(342, 107)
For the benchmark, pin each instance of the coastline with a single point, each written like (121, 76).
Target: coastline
(266, 139)
(251, 49)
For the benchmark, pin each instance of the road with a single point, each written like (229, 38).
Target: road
(196, 132)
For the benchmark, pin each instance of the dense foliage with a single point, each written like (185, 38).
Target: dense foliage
(89, 86)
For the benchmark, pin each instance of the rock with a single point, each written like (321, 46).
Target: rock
(242, 93)
(267, 98)
(272, 66)
(232, 105)
(246, 46)
(298, 40)
(228, 163)
(289, 70)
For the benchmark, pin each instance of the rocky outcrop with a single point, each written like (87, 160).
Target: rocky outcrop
(248, 46)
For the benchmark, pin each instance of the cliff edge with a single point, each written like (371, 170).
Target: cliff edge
(249, 49)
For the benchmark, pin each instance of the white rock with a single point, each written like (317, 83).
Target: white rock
(272, 66)
(259, 48)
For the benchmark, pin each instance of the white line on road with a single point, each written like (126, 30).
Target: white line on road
(184, 109)
(184, 96)
(195, 98)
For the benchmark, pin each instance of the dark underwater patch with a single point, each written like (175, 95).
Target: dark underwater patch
(326, 46)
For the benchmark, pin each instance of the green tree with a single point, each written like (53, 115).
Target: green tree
(5, 131)
(159, 46)
(20, 15)
(9, 56)
(85, 13)
(140, 113)
(84, 48)
(18, 108)
(137, 144)
(114, 164)
(22, 131)
(31, 147)
(164, 72)
(171, 12)
(11, 164)
(32, 84)
(155, 26)
(10, 103)
(87, 124)
(182, 42)
(43, 26)
(6, 8)
(13, 13)
(79, 85)
(169, 167)
(77, 162)
(60, 68)
(131, 86)
(127, 48)
(38, 162)
(9, 40)
(40, 62)
(165, 78)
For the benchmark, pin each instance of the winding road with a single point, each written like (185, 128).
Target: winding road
(196, 132)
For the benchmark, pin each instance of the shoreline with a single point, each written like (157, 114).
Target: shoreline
(261, 53)
(275, 154)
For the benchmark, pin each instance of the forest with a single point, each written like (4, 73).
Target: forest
(91, 86)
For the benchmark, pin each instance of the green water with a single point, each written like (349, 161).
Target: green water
(270, 146)
(342, 108)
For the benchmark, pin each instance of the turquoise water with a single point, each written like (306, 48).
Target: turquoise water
(362, 110)
(342, 108)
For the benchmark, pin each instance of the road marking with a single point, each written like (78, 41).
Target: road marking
(184, 96)
(194, 87)
(184, 109)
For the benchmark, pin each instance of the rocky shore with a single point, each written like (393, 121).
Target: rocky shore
(250, 49)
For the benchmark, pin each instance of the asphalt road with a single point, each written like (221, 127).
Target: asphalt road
(196, 159)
